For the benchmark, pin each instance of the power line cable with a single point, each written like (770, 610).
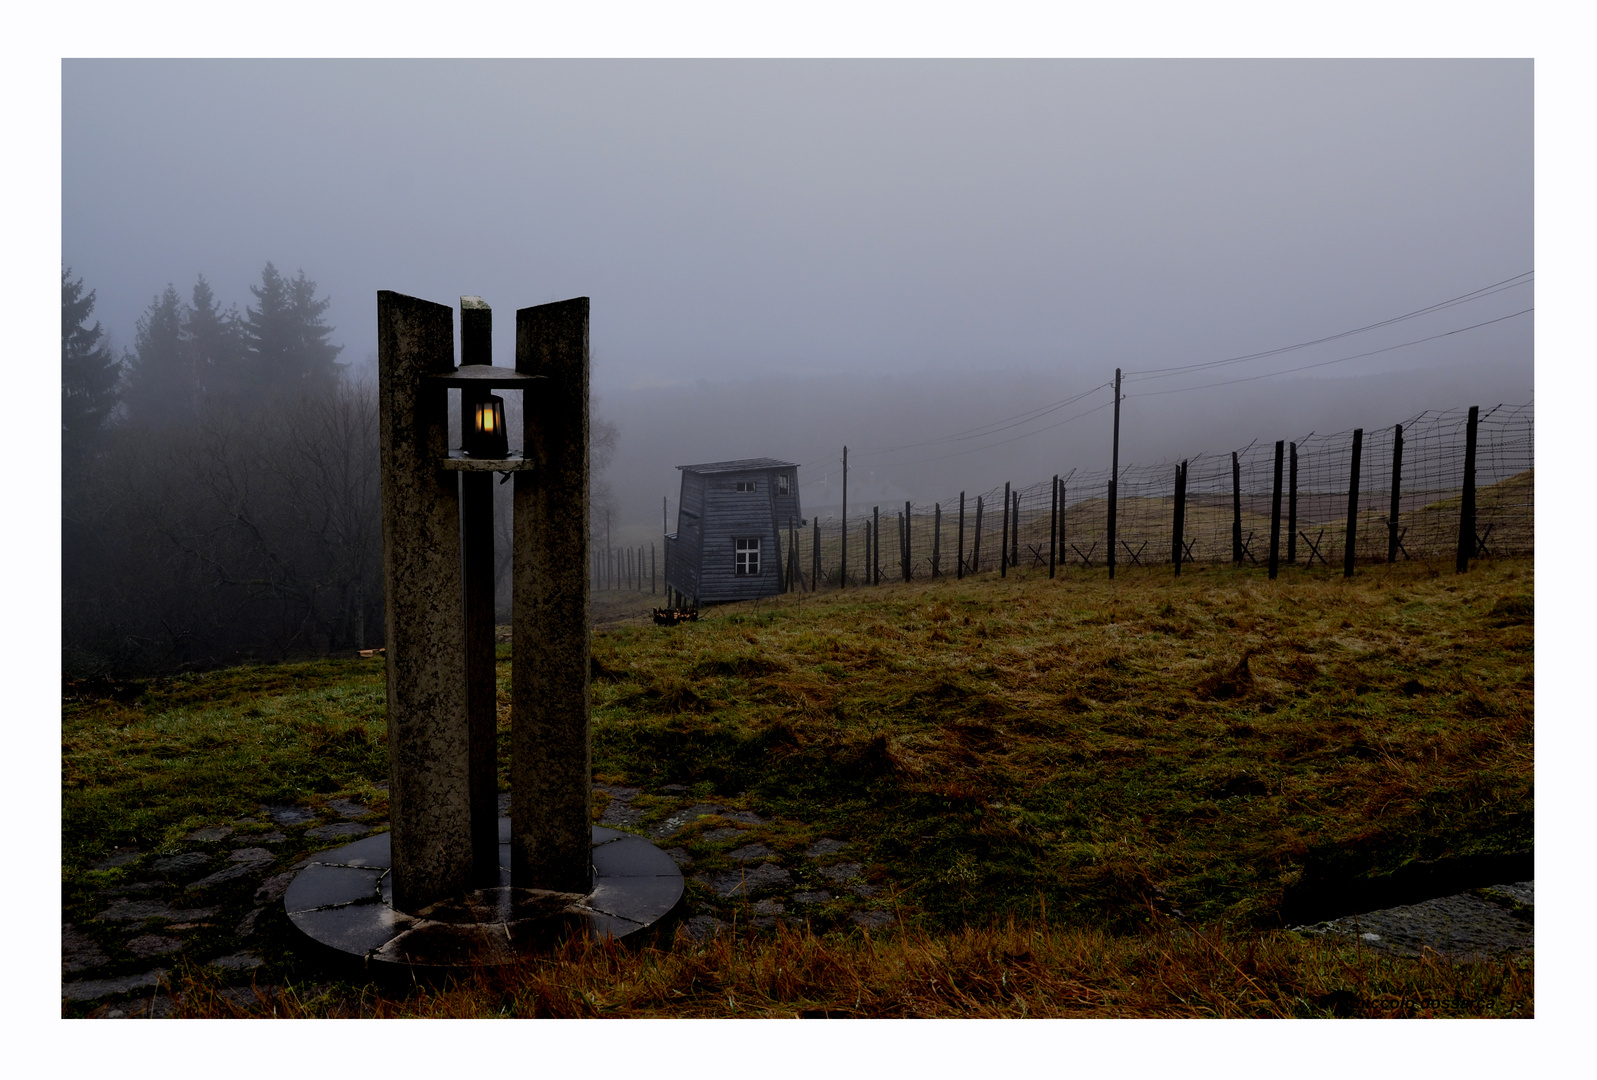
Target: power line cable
(1486, 290)
(1338, 360)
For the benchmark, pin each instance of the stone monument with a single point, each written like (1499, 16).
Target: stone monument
(454, 883)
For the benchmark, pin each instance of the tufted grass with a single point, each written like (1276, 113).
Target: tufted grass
(1072, 762)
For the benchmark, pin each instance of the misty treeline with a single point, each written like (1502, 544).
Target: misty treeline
(221, 498)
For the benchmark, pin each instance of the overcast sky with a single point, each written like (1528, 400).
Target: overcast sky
(881, 231)
(731, 218)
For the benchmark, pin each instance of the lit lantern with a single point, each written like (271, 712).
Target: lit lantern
(485, 435)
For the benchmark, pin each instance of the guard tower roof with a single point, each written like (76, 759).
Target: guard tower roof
(740, 465)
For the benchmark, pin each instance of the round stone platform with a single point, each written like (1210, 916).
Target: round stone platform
(344, 900)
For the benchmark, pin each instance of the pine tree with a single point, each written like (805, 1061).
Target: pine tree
(214, 340)
(286, 340)
(161, 385)
(89, 372)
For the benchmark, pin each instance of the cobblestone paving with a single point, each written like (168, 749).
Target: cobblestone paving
(203, 904)
(1483, 923)
(746, 869)
(200, 905)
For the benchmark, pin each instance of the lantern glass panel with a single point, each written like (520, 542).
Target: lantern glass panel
(487, 435)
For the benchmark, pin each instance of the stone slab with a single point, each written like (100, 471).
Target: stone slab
(149, 946)
(79, 951)
(274, 887)
(353, 928)
(89, 989)
(289, 815)
(640, 900)
(635, 885)
(210, 834)
(843, 871)
(138, 910)
(119, 857)
(320, 885)
(347, 808)
(232, 873)
(188, 862)
(372, 851)
(342, 830)
(633, 858)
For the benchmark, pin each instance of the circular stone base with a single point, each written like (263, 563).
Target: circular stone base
(344, 900)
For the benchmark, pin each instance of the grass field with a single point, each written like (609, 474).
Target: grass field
(1074, 797)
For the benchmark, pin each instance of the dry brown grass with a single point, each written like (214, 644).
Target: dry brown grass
(1007, 971)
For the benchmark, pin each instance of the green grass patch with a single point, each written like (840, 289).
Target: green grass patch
(991, 749)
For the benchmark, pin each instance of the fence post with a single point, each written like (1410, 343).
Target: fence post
(867, 567)
(1236, 509)
(876, 545)
(1275, 511)
(1397, 479)
(1053, 525)
(1292, 509)
(842, 542)
(959, 553)
(815, 557)
(1114, 478)
(903, 548)
(909, 561)
(1352, 504)
(937, 538)
(975, 551)
(1003, 537)
(1014, 534)
(1179, 526)
(651, 570)
(1113, 504)
(1466, 507)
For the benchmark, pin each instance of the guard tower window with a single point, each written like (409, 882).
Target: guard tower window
(748, 557)
(781, 483)
(745, 485)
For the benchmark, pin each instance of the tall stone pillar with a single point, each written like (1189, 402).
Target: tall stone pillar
(551, 819)
(428, 735)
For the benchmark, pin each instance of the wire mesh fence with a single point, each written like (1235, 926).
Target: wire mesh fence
(1407, 504)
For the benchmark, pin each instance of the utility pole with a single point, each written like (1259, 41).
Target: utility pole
(1114, 477)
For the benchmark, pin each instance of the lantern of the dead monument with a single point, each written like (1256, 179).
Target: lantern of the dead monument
(454, 883)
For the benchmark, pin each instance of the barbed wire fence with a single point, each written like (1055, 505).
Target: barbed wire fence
(1409, 504)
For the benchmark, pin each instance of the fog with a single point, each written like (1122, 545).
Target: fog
(937, 264)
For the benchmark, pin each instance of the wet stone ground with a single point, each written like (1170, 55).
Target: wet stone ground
(1483, 923)
(743, 869)
(148, 912)
(215, 901)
